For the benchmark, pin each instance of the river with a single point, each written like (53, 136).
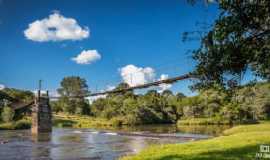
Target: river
(93, 144)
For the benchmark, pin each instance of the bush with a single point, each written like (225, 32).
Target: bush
(22, 124)
(6, 126)
(131, 120)
(63, 123)
(117, 121)
(7, 114)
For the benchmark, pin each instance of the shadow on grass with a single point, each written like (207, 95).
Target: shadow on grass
(243, 153)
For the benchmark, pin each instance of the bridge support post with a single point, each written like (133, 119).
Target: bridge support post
(41, 115)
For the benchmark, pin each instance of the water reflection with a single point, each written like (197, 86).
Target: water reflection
(40, 149)
(41, 137)
(67, 143)
(212, 130)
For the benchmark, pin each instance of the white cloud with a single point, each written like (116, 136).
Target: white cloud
(93, 98)
(41, 92)
(164, 86)
(2, 86)
(52, 93)
(55, 28)
(87, 57)
(109, 88)
(134, 75)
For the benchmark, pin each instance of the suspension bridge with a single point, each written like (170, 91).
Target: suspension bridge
(41, 110)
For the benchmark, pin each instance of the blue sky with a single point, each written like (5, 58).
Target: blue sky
(141, 34)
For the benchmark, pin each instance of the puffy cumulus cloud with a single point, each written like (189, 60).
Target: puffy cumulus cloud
(164, 86)
(87, 57)
(55, 28)
(134, 75)
(2, 86)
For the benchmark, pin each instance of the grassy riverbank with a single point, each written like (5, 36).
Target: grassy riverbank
(64, 120)
(202, 121)
(20, 124)
(79, 121)
(212, 121)
(241, 142)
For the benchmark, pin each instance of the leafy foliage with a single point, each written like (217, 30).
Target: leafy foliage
(73, 86)
(9, 96)
(72, 91)
(239, 40)
(7, 114)
(217, 104)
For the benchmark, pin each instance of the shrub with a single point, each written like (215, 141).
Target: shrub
(7, 114)
(117, 121)
(131, 120)
(6, 126)
(63, 123)
(22, 124)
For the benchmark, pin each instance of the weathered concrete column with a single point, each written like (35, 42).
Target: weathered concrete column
(41, 115)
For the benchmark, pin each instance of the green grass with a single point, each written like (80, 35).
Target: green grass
(239, 143)
(79, 121)
(65, 120)
(248, 128)
(211, 121)
(20, 124)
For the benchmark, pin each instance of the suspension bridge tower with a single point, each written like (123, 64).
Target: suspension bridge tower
(41, 114)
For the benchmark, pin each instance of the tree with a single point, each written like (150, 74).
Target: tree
(73, 86)
(167, 93)
(248, 103)
(120, 87)
(73, 90)
(180, 95)
(98, 106)
(7, 114)
(192, 107)
(12, 94)
(239, 40)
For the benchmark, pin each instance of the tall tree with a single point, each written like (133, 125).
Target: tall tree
(73, 90)
(239, 40)
(73, 86)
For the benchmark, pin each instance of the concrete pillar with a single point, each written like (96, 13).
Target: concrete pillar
(41, 115)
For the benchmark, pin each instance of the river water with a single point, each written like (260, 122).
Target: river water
(93, 144)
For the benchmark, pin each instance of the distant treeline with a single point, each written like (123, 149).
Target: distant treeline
(248, 103)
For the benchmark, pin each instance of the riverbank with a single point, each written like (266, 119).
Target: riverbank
(63, 120)
(240, 142)
(81, 121)
(20, 124)
(202, 121)
(212, 121)
(84, 121)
